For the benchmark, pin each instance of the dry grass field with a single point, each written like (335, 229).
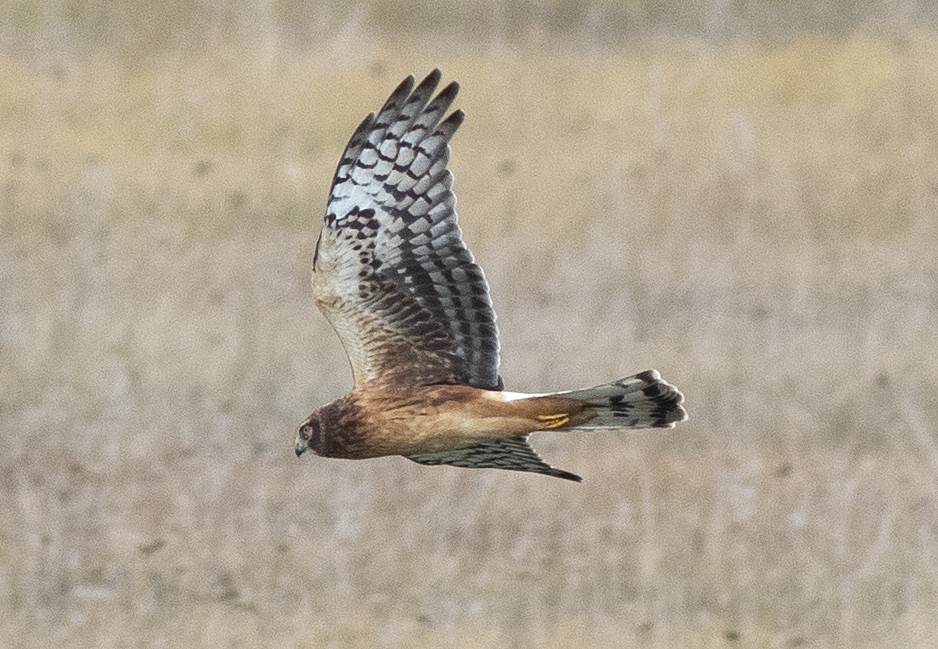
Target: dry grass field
(757, 221)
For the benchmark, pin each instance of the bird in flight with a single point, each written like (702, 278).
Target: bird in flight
(393, 276)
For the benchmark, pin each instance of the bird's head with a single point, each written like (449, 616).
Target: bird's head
(308, 435)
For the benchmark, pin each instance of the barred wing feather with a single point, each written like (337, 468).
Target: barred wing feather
(514, 453)
(391, 271)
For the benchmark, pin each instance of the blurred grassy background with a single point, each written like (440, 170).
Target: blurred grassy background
(742, 195)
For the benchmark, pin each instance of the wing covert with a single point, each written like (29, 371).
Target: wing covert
(391, 271)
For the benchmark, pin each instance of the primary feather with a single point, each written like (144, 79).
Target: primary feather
(391, 271)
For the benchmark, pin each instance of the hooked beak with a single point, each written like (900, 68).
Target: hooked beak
(300, 446)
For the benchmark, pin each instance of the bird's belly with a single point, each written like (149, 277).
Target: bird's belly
(443, 418)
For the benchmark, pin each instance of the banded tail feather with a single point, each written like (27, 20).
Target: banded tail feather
(644, 400)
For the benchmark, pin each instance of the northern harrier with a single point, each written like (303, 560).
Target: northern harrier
(394, 278)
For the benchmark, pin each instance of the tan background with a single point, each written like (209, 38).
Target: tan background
(741, 195)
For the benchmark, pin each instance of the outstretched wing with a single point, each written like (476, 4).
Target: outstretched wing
(391, 272)
(513, 453)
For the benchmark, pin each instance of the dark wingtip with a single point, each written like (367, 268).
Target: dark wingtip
(403, 89)
(454, 121)
(432, 79)
(451, 89)
(565, 475)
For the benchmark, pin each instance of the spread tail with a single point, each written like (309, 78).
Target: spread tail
(641, 401)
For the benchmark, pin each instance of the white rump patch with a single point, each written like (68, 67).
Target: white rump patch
(511, 396)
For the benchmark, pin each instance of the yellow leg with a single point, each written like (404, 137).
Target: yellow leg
(554, 421)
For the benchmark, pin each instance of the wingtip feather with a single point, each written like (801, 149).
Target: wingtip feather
(565, 475)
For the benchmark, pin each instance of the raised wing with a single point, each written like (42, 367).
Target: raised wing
(391, 272)
(513, 453)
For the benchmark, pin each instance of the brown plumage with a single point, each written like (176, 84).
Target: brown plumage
(377, 422)
(392, 275)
